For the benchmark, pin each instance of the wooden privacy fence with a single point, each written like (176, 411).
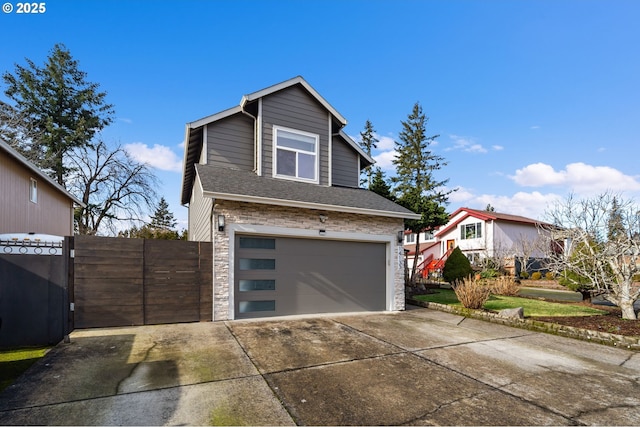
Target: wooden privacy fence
(122, 282)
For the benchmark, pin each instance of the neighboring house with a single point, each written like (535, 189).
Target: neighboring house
(273, 183)
(479, 234)
(428, 247)
(30, 201)
(484, 234)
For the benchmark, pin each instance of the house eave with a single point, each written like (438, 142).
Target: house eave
(308, 205)
(356, 147)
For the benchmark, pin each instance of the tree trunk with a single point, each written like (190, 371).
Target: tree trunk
(586, 295)
(628, 311)
(413, 280)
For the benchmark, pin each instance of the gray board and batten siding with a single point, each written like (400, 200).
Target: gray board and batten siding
(294, 108)
(344, 164)
(230, 142)
(279, 276)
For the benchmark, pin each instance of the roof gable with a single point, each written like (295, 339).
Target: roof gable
(464, 213)
(19, 158)
(193, 130)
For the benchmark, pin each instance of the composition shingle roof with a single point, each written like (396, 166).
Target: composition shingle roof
(233, 184)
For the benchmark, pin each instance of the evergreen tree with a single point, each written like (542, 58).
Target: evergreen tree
(416, 187)
(615, 224)
(490, 208)
(59, 105)
(163, 217)
(457, 267)
(368, 142)
(380, 186)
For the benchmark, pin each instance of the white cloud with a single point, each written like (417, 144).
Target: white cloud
(160, 156)
(469, 145)
(579, 177)
(385, 143)
(536, 127)
(125, 120)
(384, 160)
(530, 205)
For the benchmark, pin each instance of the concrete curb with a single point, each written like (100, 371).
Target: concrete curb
(614, 340)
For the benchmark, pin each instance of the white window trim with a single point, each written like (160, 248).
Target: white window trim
(33, 190)
(478, 231)
(275, 154)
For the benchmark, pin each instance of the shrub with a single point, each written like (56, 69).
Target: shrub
(524, 275)
(549, 275)
(488, 273)
(456, 267)
(536, 275)
(472, 293)
(505, 285)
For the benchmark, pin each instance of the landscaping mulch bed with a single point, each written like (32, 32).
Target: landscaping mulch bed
(612, 323)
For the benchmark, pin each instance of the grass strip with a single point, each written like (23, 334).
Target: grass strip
(532, 307)
(14, 362)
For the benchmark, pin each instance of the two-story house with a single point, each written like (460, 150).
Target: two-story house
(485, 234)
(273, 183)
(479, 235)
(30, 201)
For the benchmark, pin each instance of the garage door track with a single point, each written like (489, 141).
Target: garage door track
(419, 367)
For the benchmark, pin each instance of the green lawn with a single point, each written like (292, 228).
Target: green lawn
(532, 307)
(14, 362)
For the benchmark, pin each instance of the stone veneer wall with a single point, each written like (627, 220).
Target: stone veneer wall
(307, 219)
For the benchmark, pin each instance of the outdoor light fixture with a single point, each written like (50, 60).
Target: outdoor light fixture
(220, 222)
(400, 236)
(323, 218)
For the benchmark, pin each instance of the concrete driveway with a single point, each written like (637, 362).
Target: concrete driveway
(419, 367)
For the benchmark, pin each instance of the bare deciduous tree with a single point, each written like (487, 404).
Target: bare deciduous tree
(114, 187)
(602, 244)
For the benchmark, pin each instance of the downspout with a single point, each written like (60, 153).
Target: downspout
(213, 261)
(257, 137)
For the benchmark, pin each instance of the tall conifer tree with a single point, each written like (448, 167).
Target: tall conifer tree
(59, 105)
(368, 142)
(416, 187)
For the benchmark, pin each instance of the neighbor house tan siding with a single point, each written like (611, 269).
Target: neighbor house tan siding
(52, 214)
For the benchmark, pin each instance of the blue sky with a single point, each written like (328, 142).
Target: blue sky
(531, 99)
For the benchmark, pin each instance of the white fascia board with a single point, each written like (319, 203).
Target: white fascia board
(356, 146)
(296, 80)
(214, 117)
(40, 174)
(308, 205)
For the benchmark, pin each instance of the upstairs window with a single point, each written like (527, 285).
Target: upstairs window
(471, 231)
(411, 238)
(295, 155)
(33, 191)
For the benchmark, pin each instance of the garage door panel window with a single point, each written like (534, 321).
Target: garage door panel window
(253, 306)
(257, 264)
(256, 285)
(257, 243)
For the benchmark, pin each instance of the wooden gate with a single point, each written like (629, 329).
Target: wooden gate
(122, 282)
